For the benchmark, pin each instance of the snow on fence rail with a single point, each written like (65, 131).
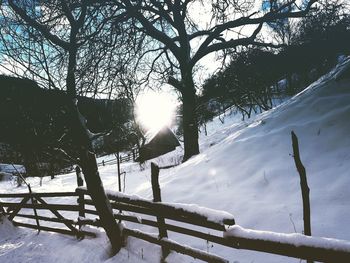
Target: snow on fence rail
(291, 245)
(190, 220)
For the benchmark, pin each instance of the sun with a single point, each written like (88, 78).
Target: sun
(155, 110)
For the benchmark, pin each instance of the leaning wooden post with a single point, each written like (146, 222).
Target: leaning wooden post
(34, 209)
(305, 191)
(31, 197)
(157, 198)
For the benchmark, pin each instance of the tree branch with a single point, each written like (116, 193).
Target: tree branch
(215, 32)
(40, 27)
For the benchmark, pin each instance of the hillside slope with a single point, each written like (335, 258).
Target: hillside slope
(251, 172)
(245, 168)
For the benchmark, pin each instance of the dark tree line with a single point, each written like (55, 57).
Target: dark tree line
(34, 123)
(252, 78)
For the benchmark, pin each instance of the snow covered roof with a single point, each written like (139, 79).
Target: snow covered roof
(159, 143)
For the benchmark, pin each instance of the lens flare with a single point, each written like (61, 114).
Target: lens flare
(155, 110)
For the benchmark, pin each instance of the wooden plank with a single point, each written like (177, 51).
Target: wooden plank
(43, 206)
(170, 227)
(52, 194)
(51, 229)
(166, 214)
(49, 219)
(165, 209)
(277, 248)
(284, 249)
(90, 211)
(17, 208)
(126, 207)
(173, 228)
(171, 245)
(177, 229)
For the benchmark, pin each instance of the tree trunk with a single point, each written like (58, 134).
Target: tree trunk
(190, 124)
(92, 178)
(30, 162)
(81, 139)
(102, 204)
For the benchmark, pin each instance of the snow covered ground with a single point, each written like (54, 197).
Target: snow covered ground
(245, 168)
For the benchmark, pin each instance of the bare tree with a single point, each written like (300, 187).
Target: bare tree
(26, 53)
(184, 39)
(64, 24)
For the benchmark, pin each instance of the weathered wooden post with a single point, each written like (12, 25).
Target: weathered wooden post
(305, 190)
(80, 180)
(81, 204)
(157, 198)
(133, 154)
(119, 179)
(80, 200)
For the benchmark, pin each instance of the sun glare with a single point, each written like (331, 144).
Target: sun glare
(155, 110)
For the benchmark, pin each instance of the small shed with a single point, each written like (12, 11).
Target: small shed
(162, 142)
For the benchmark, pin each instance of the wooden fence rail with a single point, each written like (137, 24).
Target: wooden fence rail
(131, 156)
(12, 209)
(137, 205)
(177, 218)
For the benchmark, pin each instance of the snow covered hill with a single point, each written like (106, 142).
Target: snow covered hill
(245, 168)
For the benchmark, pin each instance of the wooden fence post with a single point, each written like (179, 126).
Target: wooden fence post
(305, 190)
(157, 198)
(80, 200)
(81, 204)
(118, 166)
(80, 180)
(133, 154)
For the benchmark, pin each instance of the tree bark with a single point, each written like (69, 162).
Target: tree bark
(102, 204)
(190, 124)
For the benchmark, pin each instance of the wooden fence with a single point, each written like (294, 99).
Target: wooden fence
(35, 202)
(131, 156)
(166, 217)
